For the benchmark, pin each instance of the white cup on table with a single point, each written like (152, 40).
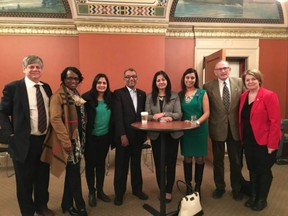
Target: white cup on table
(144, 117)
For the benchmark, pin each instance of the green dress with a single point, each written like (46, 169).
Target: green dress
(194, 142)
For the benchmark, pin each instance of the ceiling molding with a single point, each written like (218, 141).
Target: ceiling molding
(122, 28)
(38, 29)
(214, 32)
(171, 31)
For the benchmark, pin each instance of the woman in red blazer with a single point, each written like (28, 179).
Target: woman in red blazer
(259, 123)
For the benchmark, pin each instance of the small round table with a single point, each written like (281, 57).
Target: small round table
(162, 128)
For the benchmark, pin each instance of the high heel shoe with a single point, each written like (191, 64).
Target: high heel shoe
(82, 212)
(72, 211)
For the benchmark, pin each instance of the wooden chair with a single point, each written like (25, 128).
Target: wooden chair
(5, 155)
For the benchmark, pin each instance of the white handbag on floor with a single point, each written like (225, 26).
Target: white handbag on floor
(189, 204)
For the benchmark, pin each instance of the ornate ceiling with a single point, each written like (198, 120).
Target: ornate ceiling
(71, 17)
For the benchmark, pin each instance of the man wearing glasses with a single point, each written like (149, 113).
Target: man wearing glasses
(128, 103)
(224, 93)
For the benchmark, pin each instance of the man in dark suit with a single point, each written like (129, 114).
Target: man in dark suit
(223, 128)
(20, 114)
(128, 102)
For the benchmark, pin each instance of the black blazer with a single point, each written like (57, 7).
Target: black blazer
(125, 114)
(90, 107)
(15, 104)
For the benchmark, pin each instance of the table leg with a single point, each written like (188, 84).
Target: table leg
(162, 176)
(162, 183)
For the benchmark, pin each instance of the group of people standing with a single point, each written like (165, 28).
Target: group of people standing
(78, 126)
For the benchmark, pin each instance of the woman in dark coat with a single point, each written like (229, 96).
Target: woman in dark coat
(98, 130)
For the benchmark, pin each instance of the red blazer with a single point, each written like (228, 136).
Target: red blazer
(264, 118)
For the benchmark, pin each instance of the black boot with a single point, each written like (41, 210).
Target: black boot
(188, 176)
(252, 199)
(92, 199)
(199, 169)
(101, 195)
(264, 187)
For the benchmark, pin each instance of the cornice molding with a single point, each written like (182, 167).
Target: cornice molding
(38, 29)
(214, 32)
(171, 31)
(122, 28)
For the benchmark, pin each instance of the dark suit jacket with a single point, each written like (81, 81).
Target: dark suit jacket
(15, 104)
(124, 115)
(264, 118)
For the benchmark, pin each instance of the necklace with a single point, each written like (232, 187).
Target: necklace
(188, 98)
(161, 98)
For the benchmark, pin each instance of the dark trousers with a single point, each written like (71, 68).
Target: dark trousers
(32, 179)
(96, 150)
(171, 152)
(234, 149)
(258, 160)
(72, 187)
(123, 155)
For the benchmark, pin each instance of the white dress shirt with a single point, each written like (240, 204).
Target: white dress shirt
(31, 91)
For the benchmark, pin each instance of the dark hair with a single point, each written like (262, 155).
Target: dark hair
(107, 94)
(183, 87)
(155, 89)
(74, 70)
(129, 69)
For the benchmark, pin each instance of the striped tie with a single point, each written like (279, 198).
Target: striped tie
(226, 97)
(42, 118)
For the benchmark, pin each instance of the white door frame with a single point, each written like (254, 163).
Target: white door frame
(244, 48)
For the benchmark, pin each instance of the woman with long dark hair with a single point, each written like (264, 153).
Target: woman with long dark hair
(194, 143)
(98, 130)
(164, 105)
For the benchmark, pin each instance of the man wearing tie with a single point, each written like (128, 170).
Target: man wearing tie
(25, 110)
(224, 93)
(128, 103)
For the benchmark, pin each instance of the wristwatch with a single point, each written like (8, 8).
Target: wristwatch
(197, 122)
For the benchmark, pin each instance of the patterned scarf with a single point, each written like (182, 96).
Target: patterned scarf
(73, 97)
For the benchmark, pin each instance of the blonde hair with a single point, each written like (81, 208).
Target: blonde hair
(255, 73)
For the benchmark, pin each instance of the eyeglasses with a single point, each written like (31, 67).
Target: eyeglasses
(129, 77)
(223, 68)
(73, 78)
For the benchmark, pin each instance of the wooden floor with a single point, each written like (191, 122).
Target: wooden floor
(132, 206)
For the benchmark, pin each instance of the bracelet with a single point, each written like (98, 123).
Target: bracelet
(197, 122)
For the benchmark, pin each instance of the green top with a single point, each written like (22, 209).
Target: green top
(194, 142)
(102, 119)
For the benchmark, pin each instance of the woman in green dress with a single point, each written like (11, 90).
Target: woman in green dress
(194, 143)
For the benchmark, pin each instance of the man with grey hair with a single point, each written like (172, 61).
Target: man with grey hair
(25, 111)
(224, 94)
